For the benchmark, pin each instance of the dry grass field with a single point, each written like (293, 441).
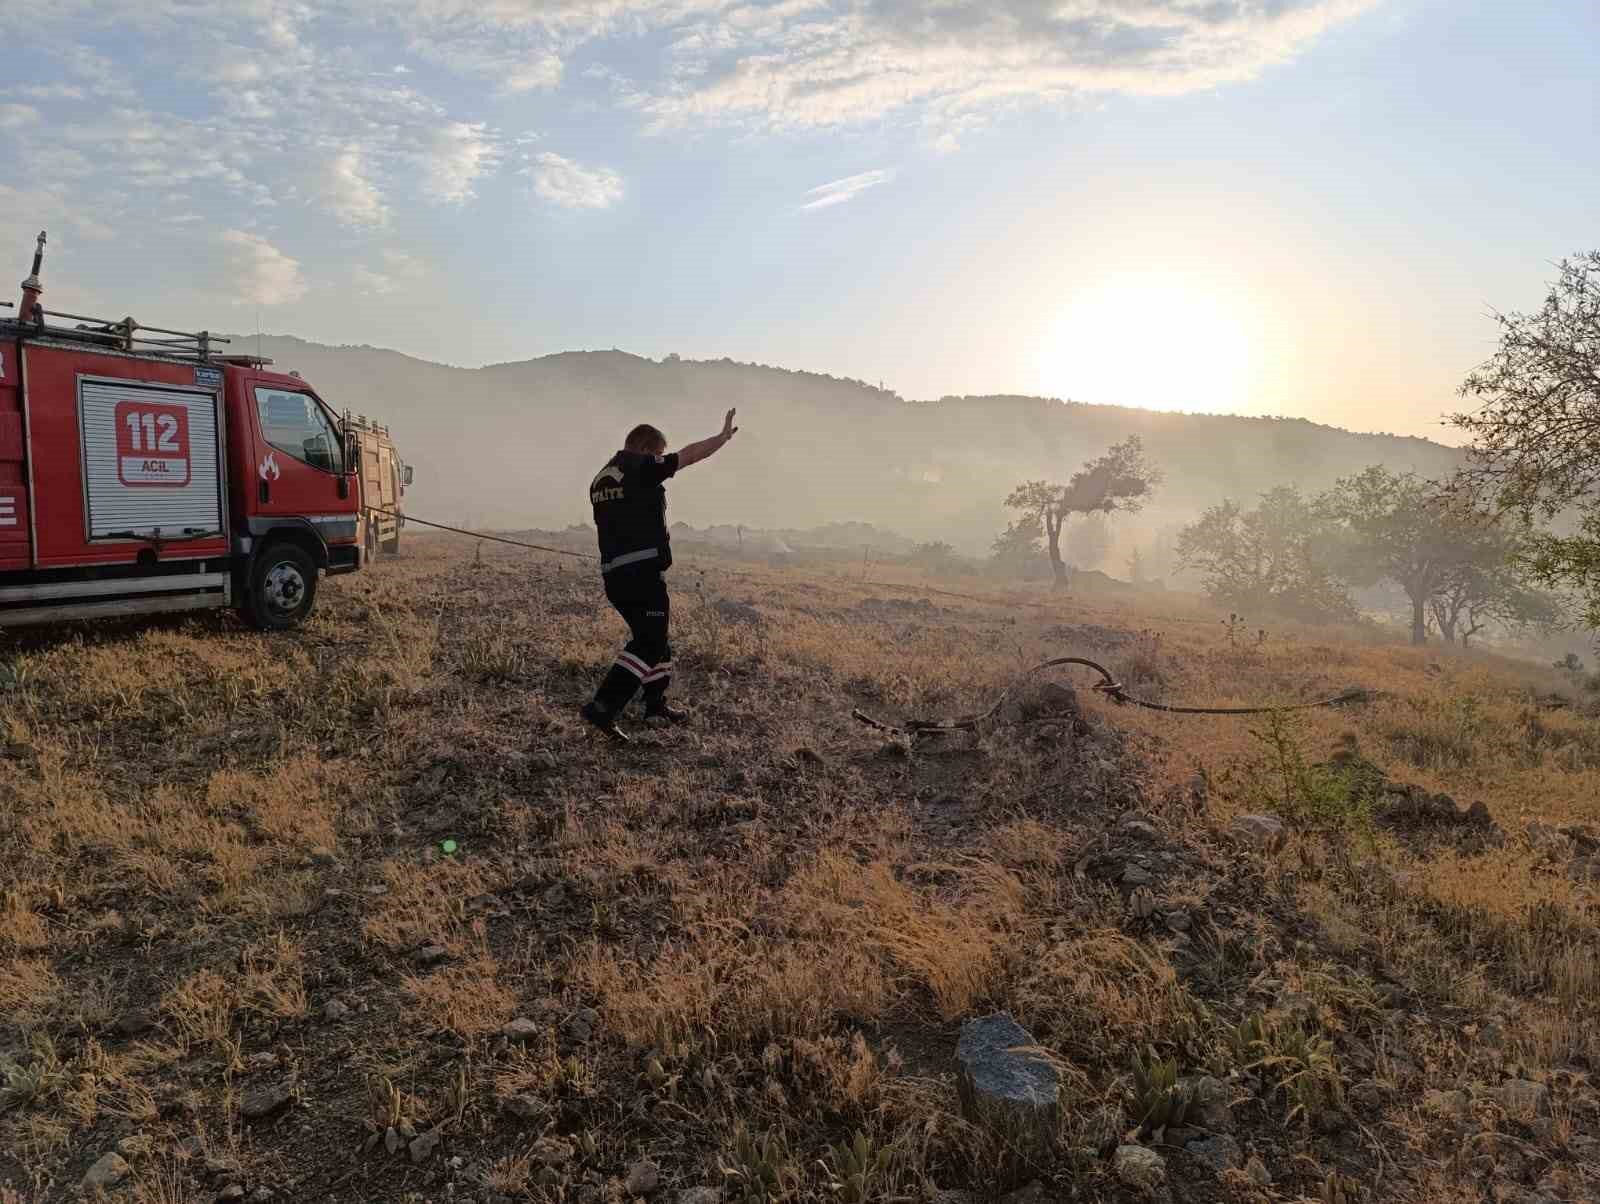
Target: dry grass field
(364, 913)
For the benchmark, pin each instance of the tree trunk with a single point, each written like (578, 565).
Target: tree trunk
(1052, 526)
(1419, 620)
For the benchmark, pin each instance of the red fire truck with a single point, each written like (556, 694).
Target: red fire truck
(141, 471)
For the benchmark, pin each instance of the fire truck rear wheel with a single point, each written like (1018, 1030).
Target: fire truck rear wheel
(283, 585)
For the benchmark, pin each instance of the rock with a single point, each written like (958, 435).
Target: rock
(699, 1195)
(1522, 1097)
(423, 1146)
(1367, 1095)
(1004, 1086)
(1136, 875)
(553, 1151)
(261, 1195)
(1256, 1171)
(192, 1146)
(528, 1107)
(135, 1024)
(522, 1029)
(430, 955)
(264, 1101)
(544, 760)
(333, 1011)
(391, 1140)
(1260, 831)
(581, 1024)
(234, 1191)
(1138, 1167)
(1209, 1103)
(108, 1171)
(1220, 1153)
(1478, 815)
(644, 1177)
(1447, 1103)
(219, 1166)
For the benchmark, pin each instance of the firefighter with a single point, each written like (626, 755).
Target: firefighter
(630, 513)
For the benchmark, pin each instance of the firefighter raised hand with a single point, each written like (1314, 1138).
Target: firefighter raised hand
(629, 497)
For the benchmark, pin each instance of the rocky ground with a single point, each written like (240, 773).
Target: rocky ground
(363, 912)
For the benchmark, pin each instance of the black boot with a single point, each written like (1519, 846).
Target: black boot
(605, 720)
(660, 711)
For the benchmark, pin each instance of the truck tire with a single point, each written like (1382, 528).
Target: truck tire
(282, 587)
(392, 546)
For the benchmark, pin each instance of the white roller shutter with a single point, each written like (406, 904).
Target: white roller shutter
(151, 459)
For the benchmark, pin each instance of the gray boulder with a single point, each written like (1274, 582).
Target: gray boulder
(1007, 1085)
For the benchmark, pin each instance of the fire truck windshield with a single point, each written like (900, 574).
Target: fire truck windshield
(294, 423)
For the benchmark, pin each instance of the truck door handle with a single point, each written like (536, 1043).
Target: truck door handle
(264, 492)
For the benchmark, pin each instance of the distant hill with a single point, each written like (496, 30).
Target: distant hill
(516, 444)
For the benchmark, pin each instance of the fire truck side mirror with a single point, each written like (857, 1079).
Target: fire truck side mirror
(408, 475)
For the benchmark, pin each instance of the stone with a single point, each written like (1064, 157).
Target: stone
(553, 1151)
(333, 1011)
(1136, 875)
(1447, 1103)
(1220, 1153)
(1367, 1095)
(1209, 1103)
(527, 1107)
(581, 1025)
(699, 1195)
(135, 1024)
(522, 1029)
(192, 1146)
(234, 1191)
(1260, 831)
(1140, 1167)
(644, 1177)
(108, 1171)
(1523, 1097)
(1478, 815)
(995, 1054)
(544, 759)
(423, 1146)
(261, 1195)
(391, 1140)
(1256, 1171)
(430, 955)
(264, 1101)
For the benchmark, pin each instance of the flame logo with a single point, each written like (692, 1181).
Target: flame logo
(269, 468)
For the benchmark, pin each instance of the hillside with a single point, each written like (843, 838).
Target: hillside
(363, 912)
(516, 444)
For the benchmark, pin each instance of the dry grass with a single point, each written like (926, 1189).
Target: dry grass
(747, 948)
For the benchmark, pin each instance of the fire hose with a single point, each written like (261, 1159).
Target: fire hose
(1107, 685)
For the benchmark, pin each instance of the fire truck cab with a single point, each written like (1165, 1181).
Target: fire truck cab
(140, 471)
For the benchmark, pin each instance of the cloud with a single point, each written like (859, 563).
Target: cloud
(259, 272)
(352, 197)
(396, 271)
(14, 117)
(836, 62)
(837, 192)
(572, 185)
(452, 159)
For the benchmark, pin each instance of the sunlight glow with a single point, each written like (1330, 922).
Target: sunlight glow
(1157, 341)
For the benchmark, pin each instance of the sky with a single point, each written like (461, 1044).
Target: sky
(1296, 207)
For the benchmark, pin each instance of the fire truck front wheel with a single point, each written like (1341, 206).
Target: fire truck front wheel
(283, 585)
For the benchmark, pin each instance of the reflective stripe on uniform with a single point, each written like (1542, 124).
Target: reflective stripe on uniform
(629, 558)
(633, 665)
(664, 669)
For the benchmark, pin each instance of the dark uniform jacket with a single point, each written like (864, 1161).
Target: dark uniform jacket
(630, 511)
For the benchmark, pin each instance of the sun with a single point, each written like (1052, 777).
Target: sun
(1155, 341)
